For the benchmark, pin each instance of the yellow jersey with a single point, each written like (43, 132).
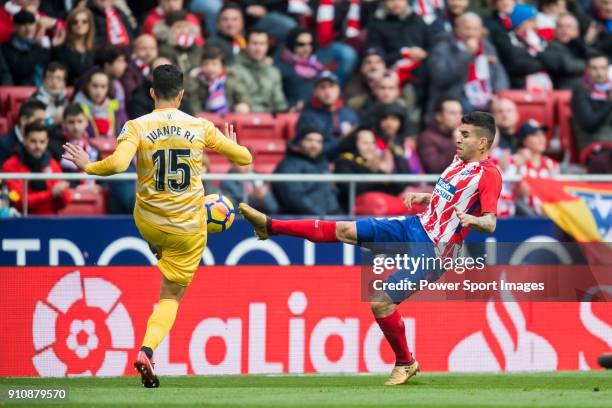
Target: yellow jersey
(169, 148)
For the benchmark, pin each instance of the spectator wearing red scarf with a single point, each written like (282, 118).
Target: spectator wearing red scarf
(465, 66)
(299, 67)
(112, 25)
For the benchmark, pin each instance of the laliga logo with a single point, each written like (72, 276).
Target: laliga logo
(73, 326)
(528, 352)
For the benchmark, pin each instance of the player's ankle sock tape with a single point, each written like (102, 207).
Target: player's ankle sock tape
(147, 351)
(312, 230)
(160, 322)
(394, 330)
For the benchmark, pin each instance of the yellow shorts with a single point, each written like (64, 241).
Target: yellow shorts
(179, 255)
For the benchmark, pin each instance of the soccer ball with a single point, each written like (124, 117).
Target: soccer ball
(220, 213)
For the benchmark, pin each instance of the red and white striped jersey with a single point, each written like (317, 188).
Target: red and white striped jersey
(472, 187)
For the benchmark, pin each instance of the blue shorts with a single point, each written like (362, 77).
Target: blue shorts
(405, 230)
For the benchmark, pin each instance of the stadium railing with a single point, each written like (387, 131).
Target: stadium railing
(351, 179)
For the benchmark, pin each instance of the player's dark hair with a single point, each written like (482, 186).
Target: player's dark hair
(439, 105)
(483, 121)
(54, 66)
(167, 81)
(35, 126)
(73, 109)
(213, 53)
(252, 31)
(28, 108)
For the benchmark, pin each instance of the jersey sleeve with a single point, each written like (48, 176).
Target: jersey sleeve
(215, 140)
(119, 161)
(489, 189)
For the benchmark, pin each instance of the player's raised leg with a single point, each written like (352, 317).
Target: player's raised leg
(158, 326)
(310, 229)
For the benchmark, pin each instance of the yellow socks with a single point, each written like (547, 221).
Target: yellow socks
(160, 322)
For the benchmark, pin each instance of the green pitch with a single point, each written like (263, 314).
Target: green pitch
(561, 389)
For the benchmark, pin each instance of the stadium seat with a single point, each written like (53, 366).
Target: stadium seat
(265, 168)
(264, 146)
(105, 145)
(563, 112)
(11, 98)
(533, 105)
(256, 126)
(4, 126)
(289, 121)
(216, 119)
(84, 202)
(218, 163)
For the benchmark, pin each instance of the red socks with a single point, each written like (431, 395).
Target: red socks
(393, 328)
(312, 230)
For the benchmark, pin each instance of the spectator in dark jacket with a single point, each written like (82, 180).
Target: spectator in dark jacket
(305, 156)
(230, 32)
(519, 47)
(565, 56)
(436, 145)
(24, 56)
(592, 112)
(30, 111)
(76, 51)
(404, 37)
(395, 26)
(327, 112)
(386, 90)
(44, 196)
(107, 15)
(446, 18)
(360, 155)
(299, 67)
(465, 66)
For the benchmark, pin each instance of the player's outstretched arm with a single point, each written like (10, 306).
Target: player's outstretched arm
(117, 162)
(486, 223)
(226, 144)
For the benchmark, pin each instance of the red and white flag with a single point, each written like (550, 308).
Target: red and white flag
(325, 23)
(353, 25)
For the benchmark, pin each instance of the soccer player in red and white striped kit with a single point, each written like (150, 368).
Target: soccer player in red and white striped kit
(464, 198)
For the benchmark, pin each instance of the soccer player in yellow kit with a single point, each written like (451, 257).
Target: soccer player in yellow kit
(169, 212)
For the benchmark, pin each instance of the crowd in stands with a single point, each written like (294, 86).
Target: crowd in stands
(374, 87)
